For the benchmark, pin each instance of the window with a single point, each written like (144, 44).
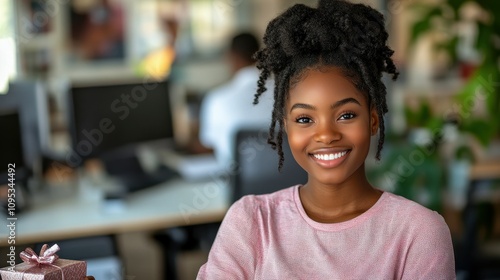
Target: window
(7, 44)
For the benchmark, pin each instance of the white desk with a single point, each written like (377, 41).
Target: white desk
(174, 203)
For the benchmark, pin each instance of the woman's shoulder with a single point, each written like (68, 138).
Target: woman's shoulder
(412, 212)
(405, 204)
(425, 238)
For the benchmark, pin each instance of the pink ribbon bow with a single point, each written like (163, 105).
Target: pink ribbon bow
(47, 256)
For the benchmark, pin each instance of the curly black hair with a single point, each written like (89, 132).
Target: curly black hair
(351, 37)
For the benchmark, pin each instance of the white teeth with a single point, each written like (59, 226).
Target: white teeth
(330, 156)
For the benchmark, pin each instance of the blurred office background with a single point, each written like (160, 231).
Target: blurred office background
(64, 61)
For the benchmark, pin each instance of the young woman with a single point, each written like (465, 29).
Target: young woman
(329, 101)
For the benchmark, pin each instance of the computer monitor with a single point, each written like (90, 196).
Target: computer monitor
(110, 117)
(11, 146)
(110, 121)
(29, 101)
(14, 173)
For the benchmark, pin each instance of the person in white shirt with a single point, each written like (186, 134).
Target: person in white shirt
(230, 107)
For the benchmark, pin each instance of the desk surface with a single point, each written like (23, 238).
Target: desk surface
(174, 203)
(485, 170)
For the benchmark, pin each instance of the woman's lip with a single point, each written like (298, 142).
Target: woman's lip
(330, 163)
(330, 150)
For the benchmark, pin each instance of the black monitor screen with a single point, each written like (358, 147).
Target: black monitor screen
(113, 116)
(11, 148)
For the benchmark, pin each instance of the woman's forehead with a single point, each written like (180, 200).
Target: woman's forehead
(331, 81)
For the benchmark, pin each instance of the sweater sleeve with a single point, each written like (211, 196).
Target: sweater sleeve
(208, 119)
(430, 255)
(234, 253)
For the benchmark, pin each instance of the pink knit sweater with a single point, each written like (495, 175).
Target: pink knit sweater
(271, 237)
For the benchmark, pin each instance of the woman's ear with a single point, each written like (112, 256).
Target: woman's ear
(285, 126)
(374, 121)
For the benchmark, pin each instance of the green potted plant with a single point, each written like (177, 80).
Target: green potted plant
(483, 79)
(412, 168)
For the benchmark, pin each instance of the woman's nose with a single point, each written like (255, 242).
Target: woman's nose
(327, 133)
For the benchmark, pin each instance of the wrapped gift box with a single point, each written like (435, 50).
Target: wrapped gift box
(47, 266)
(73, 270)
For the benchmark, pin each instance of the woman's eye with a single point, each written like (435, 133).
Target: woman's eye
(303, 120)
(347, 116)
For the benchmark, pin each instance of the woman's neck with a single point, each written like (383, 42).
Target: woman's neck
(337, 203)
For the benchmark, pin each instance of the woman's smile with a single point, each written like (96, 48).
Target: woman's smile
(330, 158)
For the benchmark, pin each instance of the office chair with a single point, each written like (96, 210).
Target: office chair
(257, 165)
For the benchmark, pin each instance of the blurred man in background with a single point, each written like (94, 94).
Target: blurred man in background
(229, 107)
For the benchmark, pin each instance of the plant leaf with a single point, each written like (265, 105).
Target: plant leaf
(490, 6)
(481, 129)
(455, 5)
(424, 25)
(450, 47)
(484, 40)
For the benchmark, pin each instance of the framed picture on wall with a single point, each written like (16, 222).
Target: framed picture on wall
(37, 16)
(97, 31)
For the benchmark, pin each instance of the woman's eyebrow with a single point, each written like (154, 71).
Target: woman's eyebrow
(336, 105)
(342, 102)
(302, 106)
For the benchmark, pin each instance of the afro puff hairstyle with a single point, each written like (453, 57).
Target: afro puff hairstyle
(351, 37)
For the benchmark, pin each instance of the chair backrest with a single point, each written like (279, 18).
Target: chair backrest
(257, 165)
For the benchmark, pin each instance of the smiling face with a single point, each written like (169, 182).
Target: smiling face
(329, 125)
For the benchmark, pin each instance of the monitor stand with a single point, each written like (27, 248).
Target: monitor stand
(124, 165)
